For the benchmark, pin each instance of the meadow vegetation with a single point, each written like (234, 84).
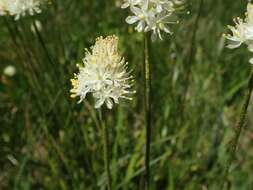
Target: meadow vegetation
(48, 141)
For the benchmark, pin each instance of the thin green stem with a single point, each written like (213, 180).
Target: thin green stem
(50, 60)
(147, 105)
(239, 127)
(189, 63)
(43, 45)
(106, 150)
(23, 55)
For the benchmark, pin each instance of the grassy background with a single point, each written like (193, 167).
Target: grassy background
(47, 141)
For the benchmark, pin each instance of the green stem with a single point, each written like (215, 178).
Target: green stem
(57, 75)
(239, 127)
(106, 150)
(23, 55)
(48, 56)
(147, 105)
(189, 63)
(43, 45)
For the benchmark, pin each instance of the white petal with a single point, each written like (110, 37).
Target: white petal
(250, 47)
(136, 10)
(132, 19)
(99, 103)
(159, 34)
(153, 36)
(125, 5)
(140, 26)
(145, 4)
(159, 8)
(109, 103)
(234, 44)
(251, 60)
(167, 30)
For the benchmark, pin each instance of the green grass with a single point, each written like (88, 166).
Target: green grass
(48, 141)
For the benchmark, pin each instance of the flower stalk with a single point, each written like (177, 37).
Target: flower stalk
(239, 126)
(190, 61)
(241, 33)
(105, 150)
(147, 107)
(45, 49)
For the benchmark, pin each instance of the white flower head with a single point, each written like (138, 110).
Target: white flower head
(242, 32)
(19, 8)
(151, 15)
(103, 74)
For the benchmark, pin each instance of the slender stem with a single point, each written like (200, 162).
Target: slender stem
(239, 127)
(106, 150)
(189, 63)
(48, 56)
(23, 55)
(43, 45)
(147, 95)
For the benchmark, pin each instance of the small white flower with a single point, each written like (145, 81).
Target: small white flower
(159, 23)
(242, 32)
(103, 74)
(9, 71)
(18, 8)
(141, 15)
(151, 15)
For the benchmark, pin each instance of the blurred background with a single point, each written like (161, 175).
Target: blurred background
(48, 141)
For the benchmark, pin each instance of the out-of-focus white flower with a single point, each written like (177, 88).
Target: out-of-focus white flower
(3, 7)
(103, 74)
(151, 15)
(9, 71)
(18, 8)
(242, 32)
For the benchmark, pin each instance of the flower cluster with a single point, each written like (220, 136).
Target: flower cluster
(151, 15)
(18, 8)
(103, 74)
(242, 32)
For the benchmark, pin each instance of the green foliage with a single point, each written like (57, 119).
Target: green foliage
(48, 141)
